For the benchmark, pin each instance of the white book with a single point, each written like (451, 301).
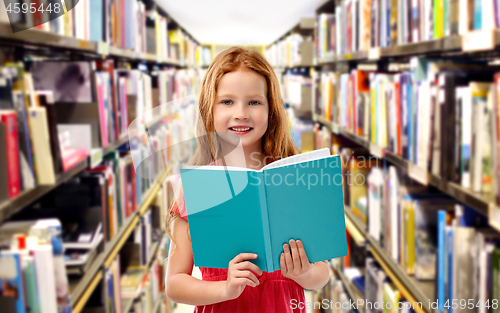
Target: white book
(463, 93)
(45, 279)
(463, 17)
(394, 208)
(338, 37)
(488, 12)
(375, 183)
(479, 105)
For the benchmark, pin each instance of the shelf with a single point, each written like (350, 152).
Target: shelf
(35, 38)
(479, 202)
(127, 304)
(412, 289)
(82, 288)
(332, 126)
(146, 268)
(27, 197)
(42, 38)
(451, 44)
(114, 145)
(350, 290)
(79, 286)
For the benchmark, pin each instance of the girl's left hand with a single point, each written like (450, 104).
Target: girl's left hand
(295, 265)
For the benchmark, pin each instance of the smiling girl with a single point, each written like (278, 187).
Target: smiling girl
(240, 96)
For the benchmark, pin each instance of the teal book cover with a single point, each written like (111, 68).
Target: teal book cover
(233, 210)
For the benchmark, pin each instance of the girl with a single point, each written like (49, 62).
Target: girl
(240, 96)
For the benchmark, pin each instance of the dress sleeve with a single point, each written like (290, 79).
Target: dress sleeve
(178, 205)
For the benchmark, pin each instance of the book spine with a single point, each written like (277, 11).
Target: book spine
(440, 259)
(265, 222)
(14, 179)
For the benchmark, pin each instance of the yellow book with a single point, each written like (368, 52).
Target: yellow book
(410, 238)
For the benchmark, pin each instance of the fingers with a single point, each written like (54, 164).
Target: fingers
(245, 281)
(284, 269)
(247, 275)
(249, 266)
(295, 255)
(288, 258)
(304, 260)
(242, 257)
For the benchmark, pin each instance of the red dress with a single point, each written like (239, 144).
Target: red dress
(273, 294)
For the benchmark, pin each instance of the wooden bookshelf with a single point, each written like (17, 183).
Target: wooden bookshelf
(27, 197)
(478, 201)
(81, 288)
(448, 45)
(349, 288)
(127, 304)
(332, 126)
(12, 206)
(36, 39)
(412, 289)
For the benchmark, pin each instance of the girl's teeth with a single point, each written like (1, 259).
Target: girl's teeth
(241, 129)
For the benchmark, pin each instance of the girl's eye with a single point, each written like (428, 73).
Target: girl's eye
(254, 102)
(226, 102)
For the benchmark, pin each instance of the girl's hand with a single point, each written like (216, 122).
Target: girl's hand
(295, 266)
(239, 275)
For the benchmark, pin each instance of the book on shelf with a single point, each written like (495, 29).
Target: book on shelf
(265, 219)
(441, 117)
(42, 240)
(360, 25)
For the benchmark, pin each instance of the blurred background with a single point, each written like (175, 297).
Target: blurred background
(406, 91)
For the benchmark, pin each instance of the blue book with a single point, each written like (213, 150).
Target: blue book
(449, 263)
(96, 16)
(441, 254)
(11, 279)
(478, 14)
(233, 210)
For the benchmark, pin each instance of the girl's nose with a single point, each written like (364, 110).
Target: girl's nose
(240, 112)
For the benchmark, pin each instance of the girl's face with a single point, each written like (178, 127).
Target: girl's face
(241, 107)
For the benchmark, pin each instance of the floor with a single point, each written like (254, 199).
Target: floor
(184, 308)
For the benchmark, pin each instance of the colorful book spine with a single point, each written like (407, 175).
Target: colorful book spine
(9, 119)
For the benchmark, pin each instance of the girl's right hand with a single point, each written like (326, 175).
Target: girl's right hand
(239, 275)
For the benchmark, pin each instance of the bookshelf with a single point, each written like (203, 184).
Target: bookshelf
(182, 76)
(350, 290)
(453, 46)
(36, 39)
(399, 55)
(12, 206)
(480, 202)
(81, 289)
(412, 289)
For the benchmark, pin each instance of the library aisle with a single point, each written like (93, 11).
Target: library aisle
(98, 106)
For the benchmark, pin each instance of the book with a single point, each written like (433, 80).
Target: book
(264, 219)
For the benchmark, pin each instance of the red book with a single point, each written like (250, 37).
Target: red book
(9, 119)
(355, 77)
(347, 257)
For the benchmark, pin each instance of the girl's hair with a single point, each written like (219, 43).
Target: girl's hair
(276, 141)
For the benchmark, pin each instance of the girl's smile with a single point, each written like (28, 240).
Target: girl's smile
(240, 129)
